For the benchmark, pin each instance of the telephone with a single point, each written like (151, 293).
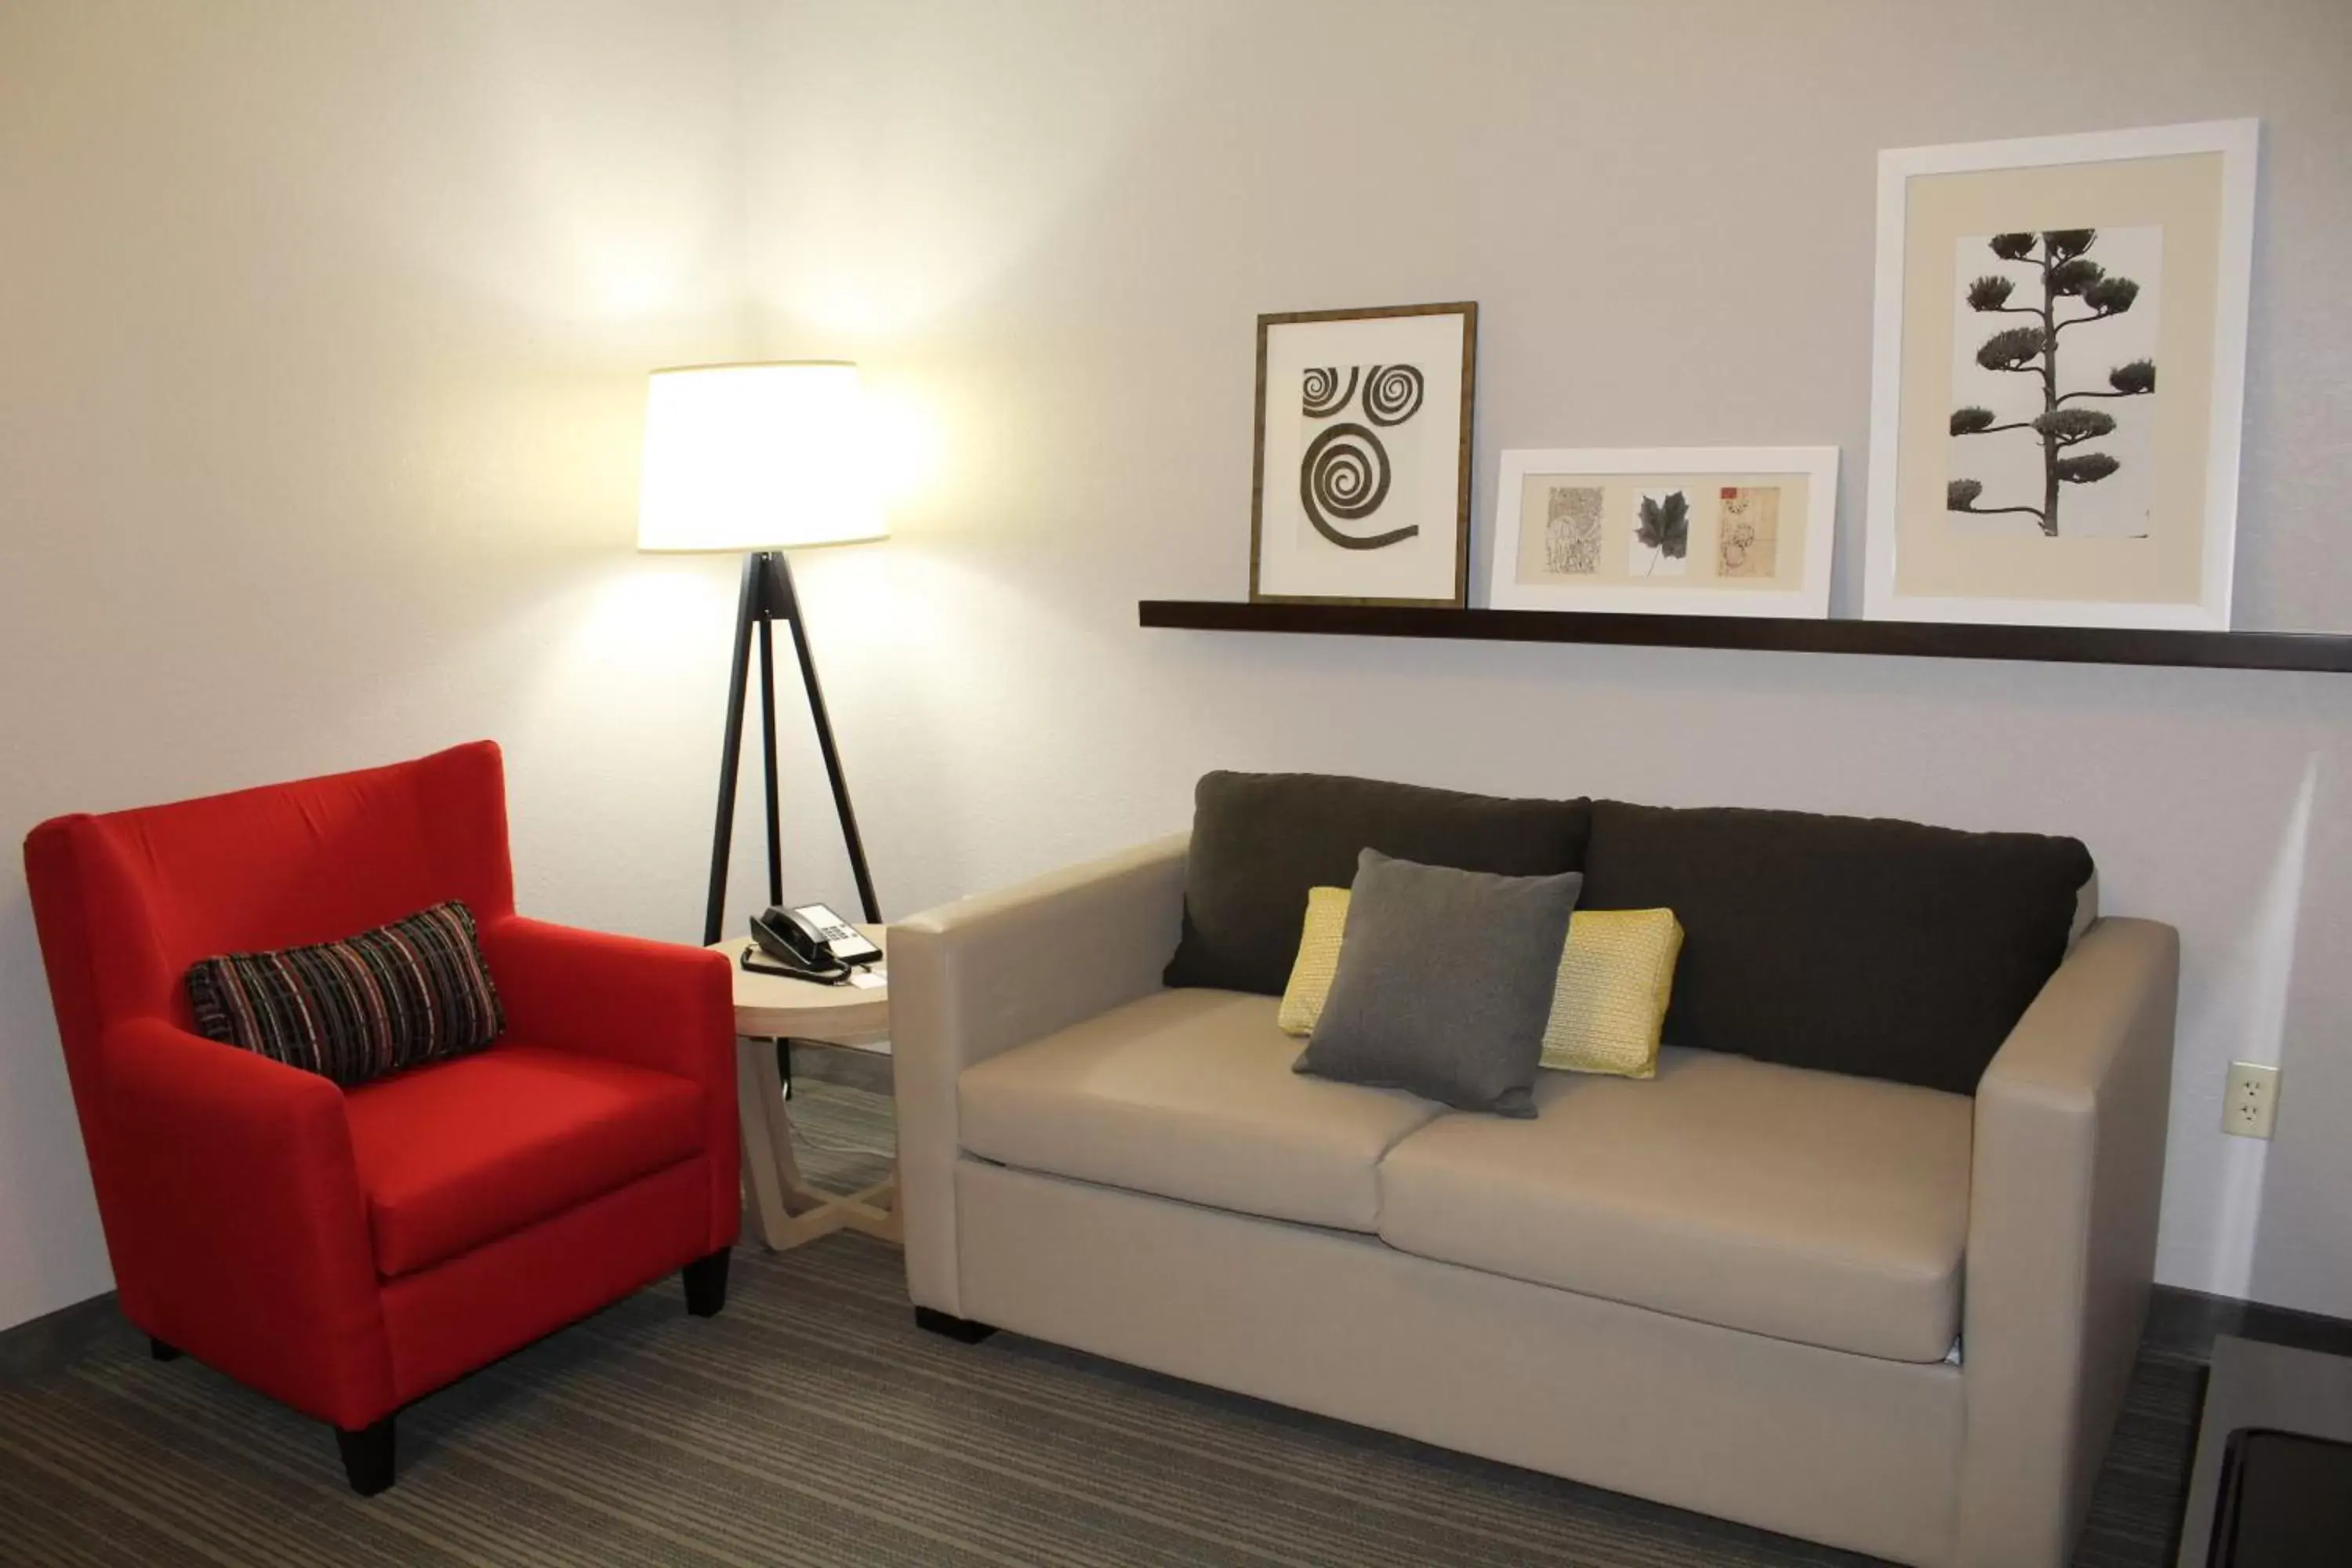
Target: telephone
(808, 942)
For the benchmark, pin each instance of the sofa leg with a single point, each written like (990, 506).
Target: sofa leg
(964, 1330)
(367, 1456)
(161, 1352)
(706, 1283)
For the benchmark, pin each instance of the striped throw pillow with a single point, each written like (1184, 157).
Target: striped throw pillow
(412, 992)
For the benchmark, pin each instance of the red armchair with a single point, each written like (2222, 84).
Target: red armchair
(347, 1252)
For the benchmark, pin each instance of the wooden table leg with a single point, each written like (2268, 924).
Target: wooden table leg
(874, 1211)
(786, 1213)
(762, 1182)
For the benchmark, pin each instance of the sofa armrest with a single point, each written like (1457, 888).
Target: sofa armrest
(653, 1004)
(2068, 1168)
(973, 978)
(247, 1239)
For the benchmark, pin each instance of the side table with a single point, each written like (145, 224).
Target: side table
(2280, 1388)
(785, 1212)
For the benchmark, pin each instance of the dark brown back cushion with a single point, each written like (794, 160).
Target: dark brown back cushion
(1261, 840)
(1858, 945)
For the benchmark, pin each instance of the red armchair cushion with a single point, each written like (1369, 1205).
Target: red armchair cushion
(462, 1152)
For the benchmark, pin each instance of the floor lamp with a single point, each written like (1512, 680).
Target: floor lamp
(761, 458)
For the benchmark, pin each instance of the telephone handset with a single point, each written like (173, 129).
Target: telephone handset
(808, 942)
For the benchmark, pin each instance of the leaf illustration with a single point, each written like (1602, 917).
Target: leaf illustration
(1666, 525)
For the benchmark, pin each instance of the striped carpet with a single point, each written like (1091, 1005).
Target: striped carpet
(813, 1424)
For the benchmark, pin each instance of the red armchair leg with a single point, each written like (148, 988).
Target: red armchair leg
(706, 1283)
(367, 1456)
(161, 1352)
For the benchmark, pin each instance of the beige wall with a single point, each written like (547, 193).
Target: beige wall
(322, 327)
(1049, 228)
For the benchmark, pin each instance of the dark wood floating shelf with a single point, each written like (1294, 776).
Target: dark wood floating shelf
(1910, 639)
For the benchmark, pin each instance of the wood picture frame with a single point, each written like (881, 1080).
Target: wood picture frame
(1369, 434)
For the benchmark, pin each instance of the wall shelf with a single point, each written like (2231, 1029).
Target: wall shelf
(1911, 639)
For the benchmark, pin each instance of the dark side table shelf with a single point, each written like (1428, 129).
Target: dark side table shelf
(2282, 1502)
(1913, 639)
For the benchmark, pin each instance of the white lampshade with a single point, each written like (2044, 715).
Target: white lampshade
(757, 457)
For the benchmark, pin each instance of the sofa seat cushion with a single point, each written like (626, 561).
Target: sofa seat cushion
(1807, 1205)
(464, 1152)
(1189, 1094)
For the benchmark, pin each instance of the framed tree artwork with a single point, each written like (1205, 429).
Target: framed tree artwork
(1686, 531)
(1361, 486)
(2059, 374)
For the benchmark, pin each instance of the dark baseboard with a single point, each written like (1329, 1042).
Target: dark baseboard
(57, 1339)
(2186, 1323)
(2179, 1322)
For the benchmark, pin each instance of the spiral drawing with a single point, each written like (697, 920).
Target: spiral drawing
(1322, 394)
(1392, 393)
(1344, 477)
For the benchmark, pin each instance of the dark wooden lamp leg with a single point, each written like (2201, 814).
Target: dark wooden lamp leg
(768, 596)
(964, 1330)
(161, 1352)
(367, 1456)
(706, 1283)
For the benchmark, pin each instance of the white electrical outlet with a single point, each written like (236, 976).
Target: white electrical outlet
(2252, 1102)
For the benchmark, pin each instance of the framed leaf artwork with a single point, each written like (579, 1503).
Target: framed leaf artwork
(2059, 376)
(1361, 492)
(1688, 531)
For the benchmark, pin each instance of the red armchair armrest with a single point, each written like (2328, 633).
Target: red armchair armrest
(246, 1240)
(649, 1004)
(652, 1004)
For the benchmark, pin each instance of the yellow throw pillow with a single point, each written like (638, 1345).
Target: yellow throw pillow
(1318, 961)
(1616, 974)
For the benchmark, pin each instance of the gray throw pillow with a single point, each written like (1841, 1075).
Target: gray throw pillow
(1444, 981)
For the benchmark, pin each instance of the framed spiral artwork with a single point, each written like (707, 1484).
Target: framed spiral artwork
(1361, 489)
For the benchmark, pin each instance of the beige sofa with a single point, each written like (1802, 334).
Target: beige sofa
(1740, 1287)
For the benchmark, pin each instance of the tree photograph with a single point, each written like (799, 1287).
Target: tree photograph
(2050, 417)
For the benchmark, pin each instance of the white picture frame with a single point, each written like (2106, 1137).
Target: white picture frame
(2161, 554)
(1589, 555)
